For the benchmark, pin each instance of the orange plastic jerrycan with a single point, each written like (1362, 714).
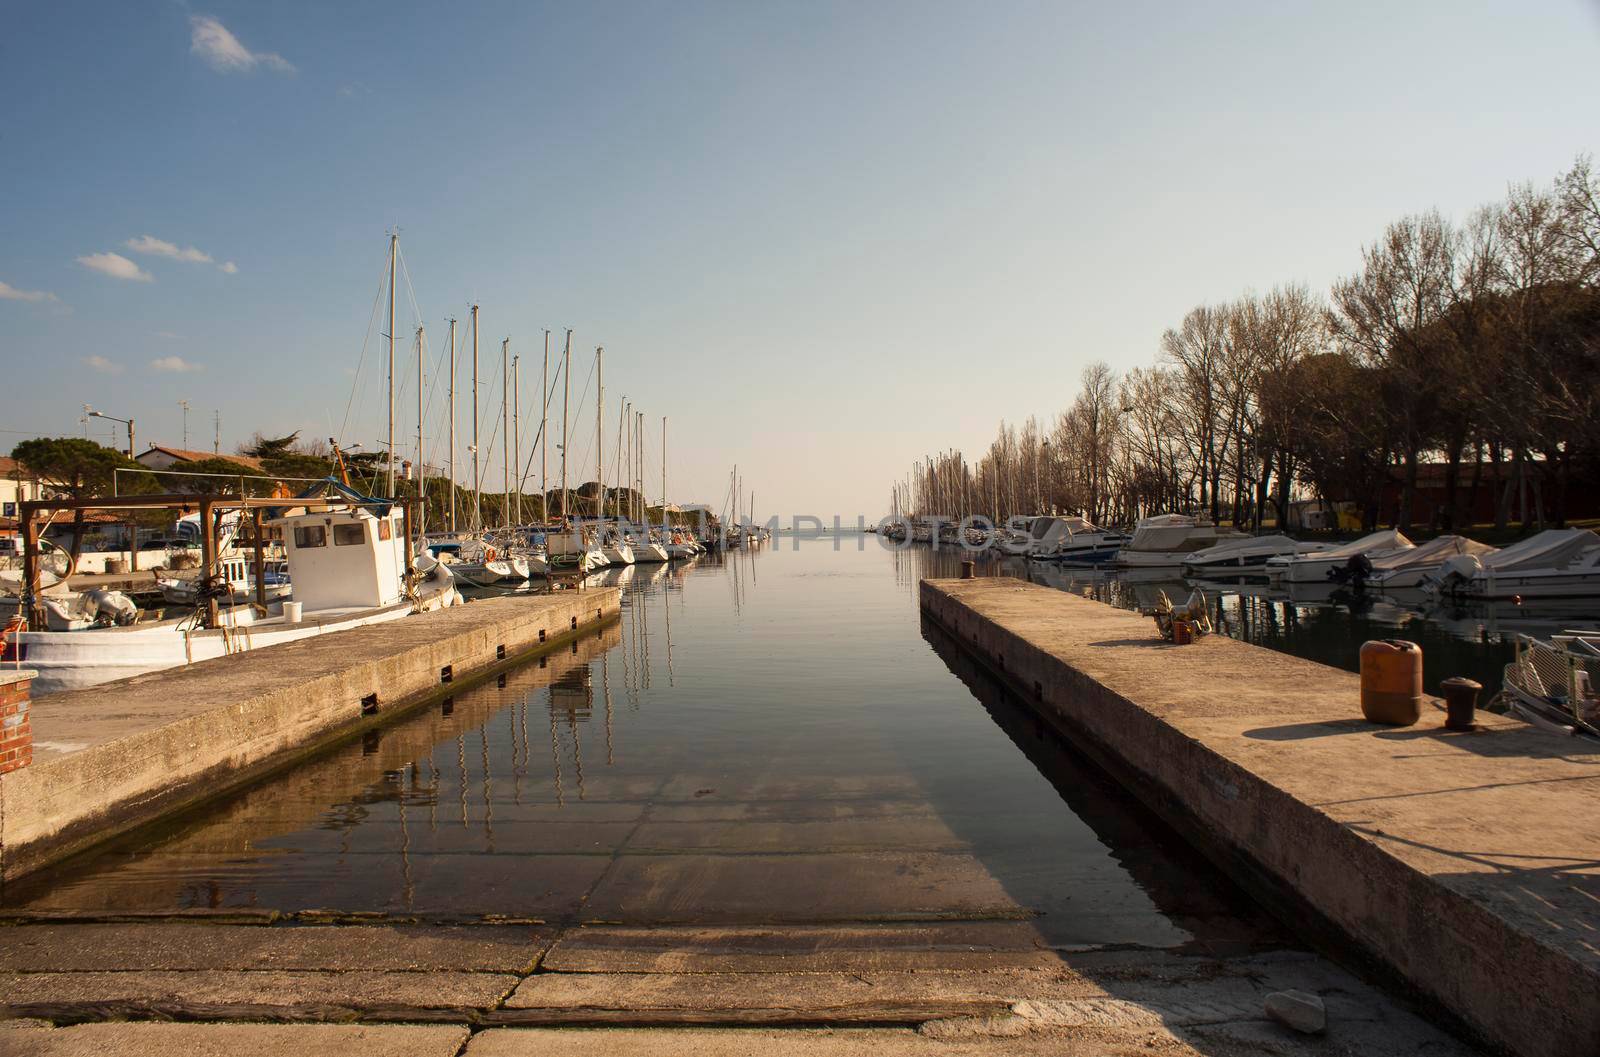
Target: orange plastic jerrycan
(1391, 681)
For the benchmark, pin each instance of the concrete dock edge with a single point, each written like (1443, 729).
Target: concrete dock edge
(128, 752)
(1509, 956)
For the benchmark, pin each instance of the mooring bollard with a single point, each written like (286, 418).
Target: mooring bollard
(1461, 702)
(969, 569)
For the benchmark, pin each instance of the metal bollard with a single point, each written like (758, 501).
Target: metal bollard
(969, 569)
(1461, 702)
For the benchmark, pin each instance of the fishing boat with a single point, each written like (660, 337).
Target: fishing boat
(1320, 566)
(1246, 556)
(237, 578)
(348, 569)
(1165, 540)
(570, 550)
(1555, 563)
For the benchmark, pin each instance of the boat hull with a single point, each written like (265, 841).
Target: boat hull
(74, 660)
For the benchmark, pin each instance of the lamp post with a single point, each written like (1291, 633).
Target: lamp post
(125, 421)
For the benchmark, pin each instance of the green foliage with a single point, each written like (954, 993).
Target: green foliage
(182, 478)
(80, 469)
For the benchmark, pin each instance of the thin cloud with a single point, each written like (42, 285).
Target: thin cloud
(117, 266)
(174, 365)
(229, 267)
(154, 247)
(169, 335)
(226, 53)
(103, 365)
(11, 293)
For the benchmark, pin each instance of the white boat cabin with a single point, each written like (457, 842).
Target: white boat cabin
(345, 559)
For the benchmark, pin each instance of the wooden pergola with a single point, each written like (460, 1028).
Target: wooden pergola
(208, 506)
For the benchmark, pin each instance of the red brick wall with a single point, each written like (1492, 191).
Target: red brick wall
(16, 732)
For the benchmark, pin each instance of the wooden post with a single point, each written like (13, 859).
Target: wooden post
(133, 547)
(208, 556)
(261, 565)
(31, 607)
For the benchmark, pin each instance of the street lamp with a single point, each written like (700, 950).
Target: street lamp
(125, 421)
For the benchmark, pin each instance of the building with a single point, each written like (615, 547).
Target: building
(160, 457)
(17, 486)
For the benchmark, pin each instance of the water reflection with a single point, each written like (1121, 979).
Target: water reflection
(764, 737)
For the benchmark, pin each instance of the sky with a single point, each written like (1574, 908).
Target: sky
(822, 239)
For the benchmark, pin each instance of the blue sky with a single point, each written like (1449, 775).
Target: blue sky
(823, 239)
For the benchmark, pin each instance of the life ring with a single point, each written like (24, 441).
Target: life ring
(488, 554)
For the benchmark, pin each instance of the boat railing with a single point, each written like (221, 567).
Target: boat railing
(1561, 674)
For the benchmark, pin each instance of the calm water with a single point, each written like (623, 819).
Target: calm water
(766, 738)
(1323, 623)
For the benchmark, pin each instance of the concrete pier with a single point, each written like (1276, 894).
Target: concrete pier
(118, 755)
(1463, 867)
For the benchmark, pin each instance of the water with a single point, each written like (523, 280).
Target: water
(1325, 623)
(767, 738)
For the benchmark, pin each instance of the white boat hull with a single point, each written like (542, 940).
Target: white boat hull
(74, 660)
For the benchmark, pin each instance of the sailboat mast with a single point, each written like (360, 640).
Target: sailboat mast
(599, 426)
(516, 432)
(666, 524)
(566, 400)
(422, 475)
(394, 239)
(544, 433)
(622, 413)
(505, 432)
(477, 466)
(452, 425)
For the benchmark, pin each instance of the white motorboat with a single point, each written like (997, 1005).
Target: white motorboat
(1016, 537)
(1245, 556)
(1072, 539)
(1556, 563)
(1164, 541)
(1320, 566)
(348, 569)
(1409, 568)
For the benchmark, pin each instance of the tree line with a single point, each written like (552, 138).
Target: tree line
(1470, 347)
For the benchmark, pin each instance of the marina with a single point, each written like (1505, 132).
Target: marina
(1027, 530)
(933, 855)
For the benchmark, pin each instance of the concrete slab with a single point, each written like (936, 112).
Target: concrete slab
(908, 998)
(187, 947)
(880, 948)
(25, 1039)
(215, 994)
(848, 886)
(1468, 864)
(833, 1042)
